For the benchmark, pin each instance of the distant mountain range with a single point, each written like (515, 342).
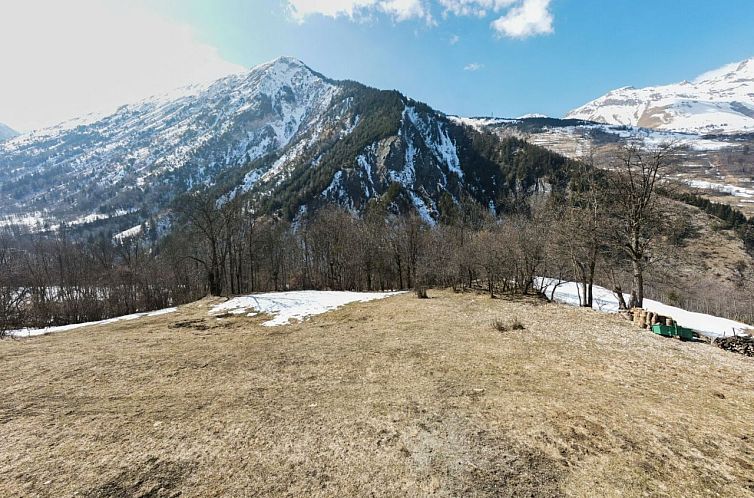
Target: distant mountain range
(720, 101)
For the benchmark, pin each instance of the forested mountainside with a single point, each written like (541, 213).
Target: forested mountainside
(281, 135)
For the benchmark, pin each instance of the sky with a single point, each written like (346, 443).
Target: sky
(63, 59)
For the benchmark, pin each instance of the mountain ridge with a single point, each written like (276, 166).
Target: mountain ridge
(281, 135)
(717, 101)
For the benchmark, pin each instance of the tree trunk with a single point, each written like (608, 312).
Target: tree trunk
(637, 293)
(621, 300)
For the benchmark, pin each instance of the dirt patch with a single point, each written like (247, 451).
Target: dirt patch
(196, 324)
(153, 479)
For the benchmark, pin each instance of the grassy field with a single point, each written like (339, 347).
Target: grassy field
(388, 398)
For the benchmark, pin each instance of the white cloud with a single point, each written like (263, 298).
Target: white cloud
(64, 59)
(474, 66)
(454, 39)
(479, 8)
(399, 10)
(522, 18)
(529, 18)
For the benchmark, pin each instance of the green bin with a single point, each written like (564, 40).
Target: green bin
(673, 331)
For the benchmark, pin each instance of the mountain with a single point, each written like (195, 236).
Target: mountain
(720, 101)
(281, 136)
(7, 132)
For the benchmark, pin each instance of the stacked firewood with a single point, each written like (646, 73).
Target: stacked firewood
(742, 344)
(645, 319)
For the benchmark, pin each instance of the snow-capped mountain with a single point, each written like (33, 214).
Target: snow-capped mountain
(280, 135)
(7, 132)
(720, 101)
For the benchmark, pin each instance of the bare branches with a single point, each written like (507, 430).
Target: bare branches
(635, 174)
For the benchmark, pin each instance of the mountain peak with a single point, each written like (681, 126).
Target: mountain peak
(718, 101)
(287, 59)
(283, 62)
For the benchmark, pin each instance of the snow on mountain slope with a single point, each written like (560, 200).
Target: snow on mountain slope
(182, 139)
(7, 132)
(719, 101)
(281, 136)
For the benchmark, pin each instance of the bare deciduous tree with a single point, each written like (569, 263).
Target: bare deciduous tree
(635, 174)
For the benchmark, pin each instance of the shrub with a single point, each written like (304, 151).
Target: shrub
(505, 325)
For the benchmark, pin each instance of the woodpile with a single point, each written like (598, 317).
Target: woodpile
(741, 344)
(645, 319)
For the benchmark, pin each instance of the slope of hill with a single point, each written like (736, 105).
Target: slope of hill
(281, 134)
(398, 397)
(720, 101)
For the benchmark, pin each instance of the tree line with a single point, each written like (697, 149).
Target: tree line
(605, 226)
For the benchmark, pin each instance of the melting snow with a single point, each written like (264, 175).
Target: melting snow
(62, 328)
(605, 300)
(298, 305)
(127, 234)
(727, 189)
(422, 208)
(334, 189)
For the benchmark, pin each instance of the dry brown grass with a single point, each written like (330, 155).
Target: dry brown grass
(395, 397)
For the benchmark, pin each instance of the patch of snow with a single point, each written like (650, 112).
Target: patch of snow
(480, 123)
(724, 188)
(298, 305)
(26, 332)
(366, 166)
(422, 208)
(251, 178)
(335, 187)
(31, 220)
(128, 234)
(445, 150)
(605, 300)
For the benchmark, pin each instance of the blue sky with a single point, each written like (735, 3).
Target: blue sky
(594, 46)
(424, 48)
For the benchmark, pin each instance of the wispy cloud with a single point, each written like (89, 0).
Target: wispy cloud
(454, 39)
(478, 8)
(474, 66)
(519, 19)
(399, 10)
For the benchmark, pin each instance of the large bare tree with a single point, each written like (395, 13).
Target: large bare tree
(636, 210)
(211, 231)
(583, 223)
